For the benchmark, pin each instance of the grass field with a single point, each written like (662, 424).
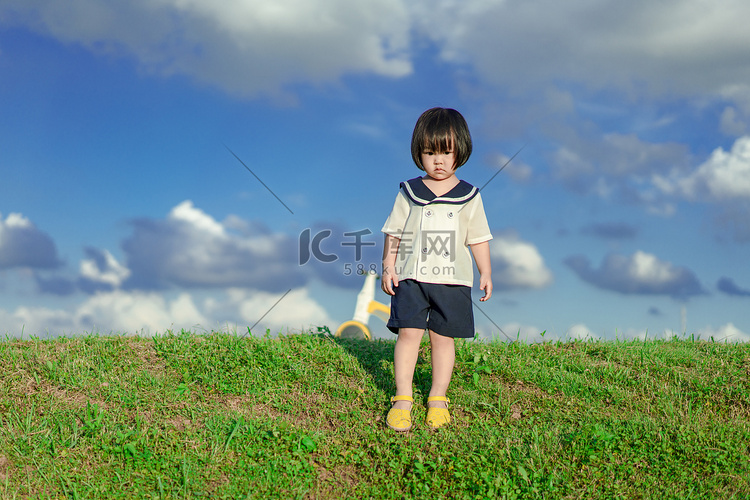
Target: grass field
(221, 416)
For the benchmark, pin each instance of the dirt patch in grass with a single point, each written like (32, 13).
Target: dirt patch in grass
(331, 484)
(67, 396)
(306, 413)
(217, 483)
(526, 397)
(521, 387)
(35, 380)
(143, 350)
(73, 398)
(26, 393)
(5, 468)
(311, 415)
(180, 423)
(250, 406)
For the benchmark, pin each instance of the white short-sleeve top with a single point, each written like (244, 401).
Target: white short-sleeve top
(435, 232)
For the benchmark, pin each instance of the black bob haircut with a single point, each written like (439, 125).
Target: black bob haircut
(441, 130)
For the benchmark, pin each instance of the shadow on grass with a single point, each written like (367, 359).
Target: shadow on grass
(376, 358)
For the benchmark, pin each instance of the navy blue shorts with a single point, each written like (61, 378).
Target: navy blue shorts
(444, 309)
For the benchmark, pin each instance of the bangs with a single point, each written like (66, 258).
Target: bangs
(441, 141)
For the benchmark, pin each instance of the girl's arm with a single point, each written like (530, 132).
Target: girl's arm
(390, 251)
(481, 252)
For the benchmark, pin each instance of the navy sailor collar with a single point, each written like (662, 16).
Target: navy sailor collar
(418, 192)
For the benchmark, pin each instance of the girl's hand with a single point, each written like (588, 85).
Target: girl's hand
(481, 253)
(485, 283)
(389, 280)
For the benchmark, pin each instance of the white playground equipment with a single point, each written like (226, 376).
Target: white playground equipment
(357, 328)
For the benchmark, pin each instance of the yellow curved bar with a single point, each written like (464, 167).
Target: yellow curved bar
(353, 329)
(382, 311)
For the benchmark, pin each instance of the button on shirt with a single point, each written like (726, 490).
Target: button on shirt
(435, 232)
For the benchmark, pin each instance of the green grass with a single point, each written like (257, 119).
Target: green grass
(220, 416)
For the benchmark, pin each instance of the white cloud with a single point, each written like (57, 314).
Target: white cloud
(627, 155)
(26, 322)
(17, 221)
(580, 331)
(531, 334)
(296, 310)
(23, 245)
(725, 333)
(739, 94)
(512, 331)
(243, 46)
(124, 312)
(615, 163)
(516, 170)
(571, 163)
(724, 176)
(731, 122)
(619, 168)
(260, 46)
(517, 264)
(186, 213)
(723, 180)
(191, 249)
(102, 268)
(639, 273)
(646, 268)
(138, 312)
(676, 45)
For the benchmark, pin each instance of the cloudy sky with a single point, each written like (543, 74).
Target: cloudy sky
(169, 164)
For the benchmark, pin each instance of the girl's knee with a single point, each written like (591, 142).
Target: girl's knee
(437, 339)
(410, 334)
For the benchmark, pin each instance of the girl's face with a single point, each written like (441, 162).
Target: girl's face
(439, 166)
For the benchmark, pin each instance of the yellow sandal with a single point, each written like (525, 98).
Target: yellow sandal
(398, 419)
(438, 417)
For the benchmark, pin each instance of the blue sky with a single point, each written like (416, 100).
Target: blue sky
(122, 209)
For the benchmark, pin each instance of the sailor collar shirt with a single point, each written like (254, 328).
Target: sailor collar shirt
(435, 232)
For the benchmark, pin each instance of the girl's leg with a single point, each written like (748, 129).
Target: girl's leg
(404, 362)
(443, 359)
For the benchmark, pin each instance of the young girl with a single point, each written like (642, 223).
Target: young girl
(427, 266)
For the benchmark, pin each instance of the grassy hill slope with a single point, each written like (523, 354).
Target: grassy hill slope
(220, 416)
